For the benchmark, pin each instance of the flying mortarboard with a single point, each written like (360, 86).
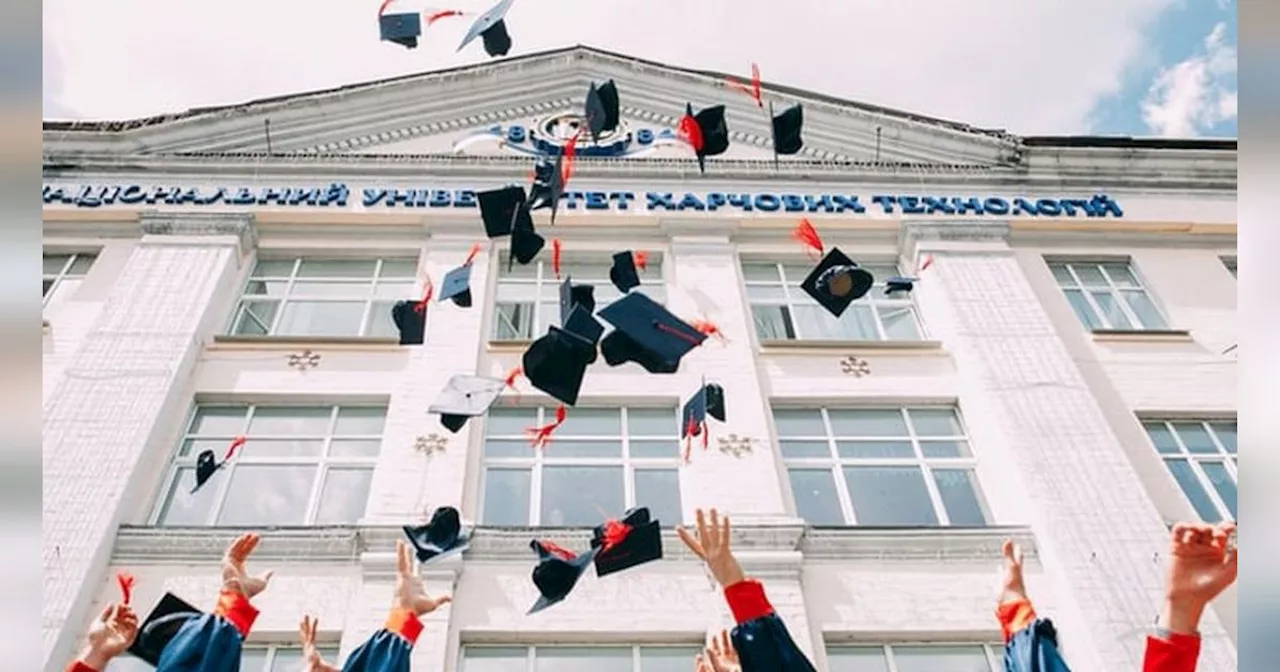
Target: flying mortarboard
(403, 29)
(557, 363)
(837, 282)
(602, 109)
(457, 286)
(161, 626)
(207, 464)
(493, 29)
(577, 303)
(899, 284)
(411, 322)
(623, 274)
(550, 179)
(441, 537)
(503, 210)
(576, 295)
(787, 139)
(626, 543)
(708, 400)
(647, 333)
(707, 131)
(557, 572)
(465, 397)
(526, 243)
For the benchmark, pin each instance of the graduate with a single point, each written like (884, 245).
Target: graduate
(761, 640)
(1203, 563)
(1030, 642)
(388, 649)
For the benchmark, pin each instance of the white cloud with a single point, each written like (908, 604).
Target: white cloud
(1191, 97)
(1224, 5)
(1031, 67)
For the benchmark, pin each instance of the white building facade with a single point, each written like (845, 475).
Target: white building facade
(1062, 373)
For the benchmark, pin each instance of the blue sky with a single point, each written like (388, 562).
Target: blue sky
(1131, 67)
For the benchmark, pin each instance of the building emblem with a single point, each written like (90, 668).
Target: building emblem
(547, 137)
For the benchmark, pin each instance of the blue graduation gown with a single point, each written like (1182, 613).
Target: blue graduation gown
(388, 649)
(761, 638)
(211, 642)
(1034, 649)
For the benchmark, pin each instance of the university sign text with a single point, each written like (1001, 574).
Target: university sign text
(339, 195)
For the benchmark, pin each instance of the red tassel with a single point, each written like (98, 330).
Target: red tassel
(383, 7)
(542, 435)
(126, 581)
(471, 256)
(444, 14)
(615, 532)
(231, 450)
(706, 434)
(512, 375)
(928, 261)
(556, 549)
(570, 152)
(690, 132)
(676, 332)
(555, 256)
(753, 89)
(710, 329)
(808, 236)
(642, 259)
(428, 291)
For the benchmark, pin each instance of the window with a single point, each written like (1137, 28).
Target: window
(782, 311)
(528, 298)
(900, 467)
(917, 658)
(1201, 457)
(1230, 263)
(254, 658)
(63, 274)
(301, 465)
(325, 297)
(578, 658)
(1107, 296)
(591, 470)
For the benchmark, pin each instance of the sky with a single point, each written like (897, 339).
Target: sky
(1045, 67)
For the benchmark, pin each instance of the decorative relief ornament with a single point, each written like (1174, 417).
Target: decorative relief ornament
(430, 444)
(735, 445)
(304, 360)
(855, 366)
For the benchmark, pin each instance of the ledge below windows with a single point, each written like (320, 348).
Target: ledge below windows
(228, 342)
(1141, 336)
(509, 346)
(802, 347)
(344, 545)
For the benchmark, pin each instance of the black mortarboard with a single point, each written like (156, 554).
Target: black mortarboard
(632, 541)
(403, 29)
(708, 400)
(715, 401)
(441, 537)
(554, 575)
(548, 186)
(490, 26)
(465, 397)
(646, 333)
(898, 284)
(557, 362)
(786, 130)
(602, 109)
(714, 130)
(457, 286)
(161, 626)
(502, 210)
(623, 274)
(837, 282)
(411, 322)
(526, 243)
(207, 464)
(577, 303)
(575, 295)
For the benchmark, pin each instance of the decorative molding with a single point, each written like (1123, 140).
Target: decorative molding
(737, 446)
(168, 223)
(430, 445)
(855, 366)
(302, 361)
(953, 231)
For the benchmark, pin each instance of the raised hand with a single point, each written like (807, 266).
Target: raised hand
(110, 635)
(310, 655)
(716, 658)
(1203, 563)
(411, 594)
(1011, 586)
(234, 576)
(712, 545)
(722, 648)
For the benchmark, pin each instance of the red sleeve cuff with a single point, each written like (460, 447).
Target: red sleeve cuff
(1014, 615)
(747, 601)
(404, 623)
(1172, 653)
(235, 607)
(80, 666)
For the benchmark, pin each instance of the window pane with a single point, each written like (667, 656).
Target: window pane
(321, 318)
(47, 285)
(575, 496)
(1192, 488)
(82, 264)
(128, 663)
(856, 324)
(659, 489)
(1111, 312)
(513, 321)
(889, 496)
(589, 422)
(815, 494)
(258, 448)
(935, 422)
(569, 448)
(273, 268)
(875, 449)
(360, 421)
(1083, 310)
(506, 496)
(1144, 309)
(255, 318)
(1120, 275)
(288, 660)
(795, 274)
(1195, 437)
(651, 422)
(397, 289)
(355, 448)
(666, 659)
(379, 323)
(337, 268)
(760, 273)
(899, 323)
(1221, 481)
(1090, 275)
(858, 659)
(336, 290)
(1062, 275)
(399, 268)
(219, 420)
(1161, 437)
(272, 288)
(958, 489)
(796, 422)
(867, 422)
(267, 495)
(54, 263)
(594, 659)
(518, 292)
(510, 421)
(766, 294)
(254, 660)
(290, 421)
(656, 449)
(485, 659)
(193, 447)
(935, 658)
(65, 290)
(932, 449)
(345, 496)
(508, 448)
(804, 448)
(1226, 432)
(772, 323)
(181, 507)
(881, 272)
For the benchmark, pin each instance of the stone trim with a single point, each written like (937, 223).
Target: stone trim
(167, 223)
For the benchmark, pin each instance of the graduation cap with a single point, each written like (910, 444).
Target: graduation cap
(441, 537)
(457, 286)
(624, 273)
(577, 302)
(899, 284)
(557, 363)
(626, 543)
(549, 180)
(576, 295)
(161, 626)
(207, 464)
(786, 130)
(404, 29)
(557, 572)
(465, 397)
(491, 27)
(602, 109)
(503, 210)
(708, 400)
(837, 282)
(646, 333)
(707, 131)
(411, 322)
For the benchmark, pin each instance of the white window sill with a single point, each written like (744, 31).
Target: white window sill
(237, 342)
(789, 346)
(1141, 336)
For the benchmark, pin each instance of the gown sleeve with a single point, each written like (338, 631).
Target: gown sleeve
(211, 642)
(80, 666)
(388, 649)
(761, 638)
(1171, 652)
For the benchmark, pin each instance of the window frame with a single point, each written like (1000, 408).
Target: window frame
(993, 652)
(531, 656)
(282, 300)
(792, 293)
(1232, 264)
(537, 460)
(835, 463)
(1116, 291)
(1228, 460)
(330, 649)
(181, 464)
(64, 273)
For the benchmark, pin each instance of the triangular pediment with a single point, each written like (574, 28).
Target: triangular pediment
(525, 105)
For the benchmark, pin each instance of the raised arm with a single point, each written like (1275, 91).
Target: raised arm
(1203, 562)
(1030, 642)
(110, 635)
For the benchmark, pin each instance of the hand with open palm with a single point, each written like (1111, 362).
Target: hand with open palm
(1203, 564)
(310, 654)
(411, 594)
(1011, 583)
(712, 545)
(720, 656)
(234, 575)
(110, 635)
